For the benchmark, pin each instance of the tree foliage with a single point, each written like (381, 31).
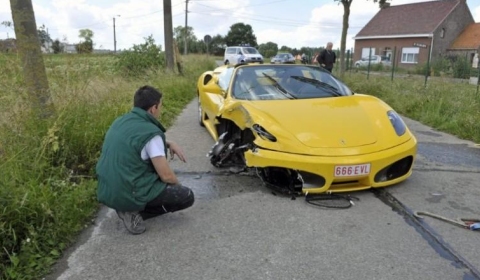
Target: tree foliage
(43, 36)
(285, 49)
(86, 46)
(86, 34)
(268, 49)
(218, 45)
(57, 46)
(193, 44)
(241, 33)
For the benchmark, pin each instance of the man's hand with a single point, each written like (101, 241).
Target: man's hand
(176, 150)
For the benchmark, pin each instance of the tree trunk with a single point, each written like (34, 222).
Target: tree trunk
(343, 42)
(28, 46)
(168, 33)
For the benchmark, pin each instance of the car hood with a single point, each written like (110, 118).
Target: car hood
(337, 122)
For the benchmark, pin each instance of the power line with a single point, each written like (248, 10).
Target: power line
(282, 21)
(279, 22)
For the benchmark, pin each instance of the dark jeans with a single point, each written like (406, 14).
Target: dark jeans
(173, 198)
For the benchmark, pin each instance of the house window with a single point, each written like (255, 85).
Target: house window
(410, 55)
(366, 52)
(388, 52)
(442, 33)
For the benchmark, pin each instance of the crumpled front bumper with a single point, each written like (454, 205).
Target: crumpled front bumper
(324, 166)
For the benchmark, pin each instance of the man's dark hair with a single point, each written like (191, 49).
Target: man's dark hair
(146, 97)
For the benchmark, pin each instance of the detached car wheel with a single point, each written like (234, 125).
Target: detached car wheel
(200, 113)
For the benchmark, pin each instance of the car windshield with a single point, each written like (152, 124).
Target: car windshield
(249, 50)
(276, 82)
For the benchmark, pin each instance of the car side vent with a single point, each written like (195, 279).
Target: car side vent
(207, 79)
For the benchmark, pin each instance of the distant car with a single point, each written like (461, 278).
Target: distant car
(283, 58)
(302, 129)
(374, 59)
(241, 54)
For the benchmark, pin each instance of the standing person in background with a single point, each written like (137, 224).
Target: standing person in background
(327, 57)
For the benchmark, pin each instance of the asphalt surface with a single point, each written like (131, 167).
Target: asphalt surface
(238, 229)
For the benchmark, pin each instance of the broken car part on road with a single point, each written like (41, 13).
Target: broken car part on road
(472, 224)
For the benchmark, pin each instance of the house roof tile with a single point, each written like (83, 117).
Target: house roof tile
(415, 18)
(468, 39)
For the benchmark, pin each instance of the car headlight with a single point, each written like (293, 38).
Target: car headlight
(397, 122)
(263, 133)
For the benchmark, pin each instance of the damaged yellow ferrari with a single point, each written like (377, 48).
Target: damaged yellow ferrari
(302, 130)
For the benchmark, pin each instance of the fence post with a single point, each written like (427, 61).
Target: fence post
(368, 67)
(394, 60)
(467, 68)
(478, 77)
(427, 72)
(351, 60)
(348, 59)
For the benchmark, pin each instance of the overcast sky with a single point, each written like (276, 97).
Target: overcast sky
(294, 23)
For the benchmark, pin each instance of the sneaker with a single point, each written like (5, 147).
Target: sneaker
(133, 221)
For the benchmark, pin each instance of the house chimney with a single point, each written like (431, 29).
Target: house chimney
(387, 4)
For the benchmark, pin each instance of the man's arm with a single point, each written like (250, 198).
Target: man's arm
(164, 171)
(176, 150)
(321, 58)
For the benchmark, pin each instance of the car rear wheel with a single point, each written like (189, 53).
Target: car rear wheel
(200, 113)
(226, 62)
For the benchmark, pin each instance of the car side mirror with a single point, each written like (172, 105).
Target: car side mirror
(210, 84)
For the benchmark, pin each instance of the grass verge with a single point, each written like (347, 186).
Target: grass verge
(47, 186)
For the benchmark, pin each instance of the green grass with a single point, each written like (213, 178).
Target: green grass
(47, 189)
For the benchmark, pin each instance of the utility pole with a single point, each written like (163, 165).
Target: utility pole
(48, 42)
(168, 31)
(114, 37)
(186, 28)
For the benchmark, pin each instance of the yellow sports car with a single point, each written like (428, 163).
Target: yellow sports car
(302, 130)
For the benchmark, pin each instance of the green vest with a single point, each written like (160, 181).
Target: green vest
(126, 182)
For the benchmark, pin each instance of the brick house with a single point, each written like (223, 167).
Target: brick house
(414, 31)
(467, 44)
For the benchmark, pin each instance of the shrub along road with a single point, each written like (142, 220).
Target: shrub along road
(237, 229)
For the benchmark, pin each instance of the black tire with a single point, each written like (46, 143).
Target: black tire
(226, 62)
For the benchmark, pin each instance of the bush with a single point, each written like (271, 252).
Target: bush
(141, 58)
(461, 68)
(440, 66)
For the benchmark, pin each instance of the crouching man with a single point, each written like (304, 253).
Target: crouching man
(134, 177)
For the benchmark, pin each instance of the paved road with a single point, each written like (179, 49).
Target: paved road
(237, 229)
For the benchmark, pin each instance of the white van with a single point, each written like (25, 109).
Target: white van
(241, 54)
